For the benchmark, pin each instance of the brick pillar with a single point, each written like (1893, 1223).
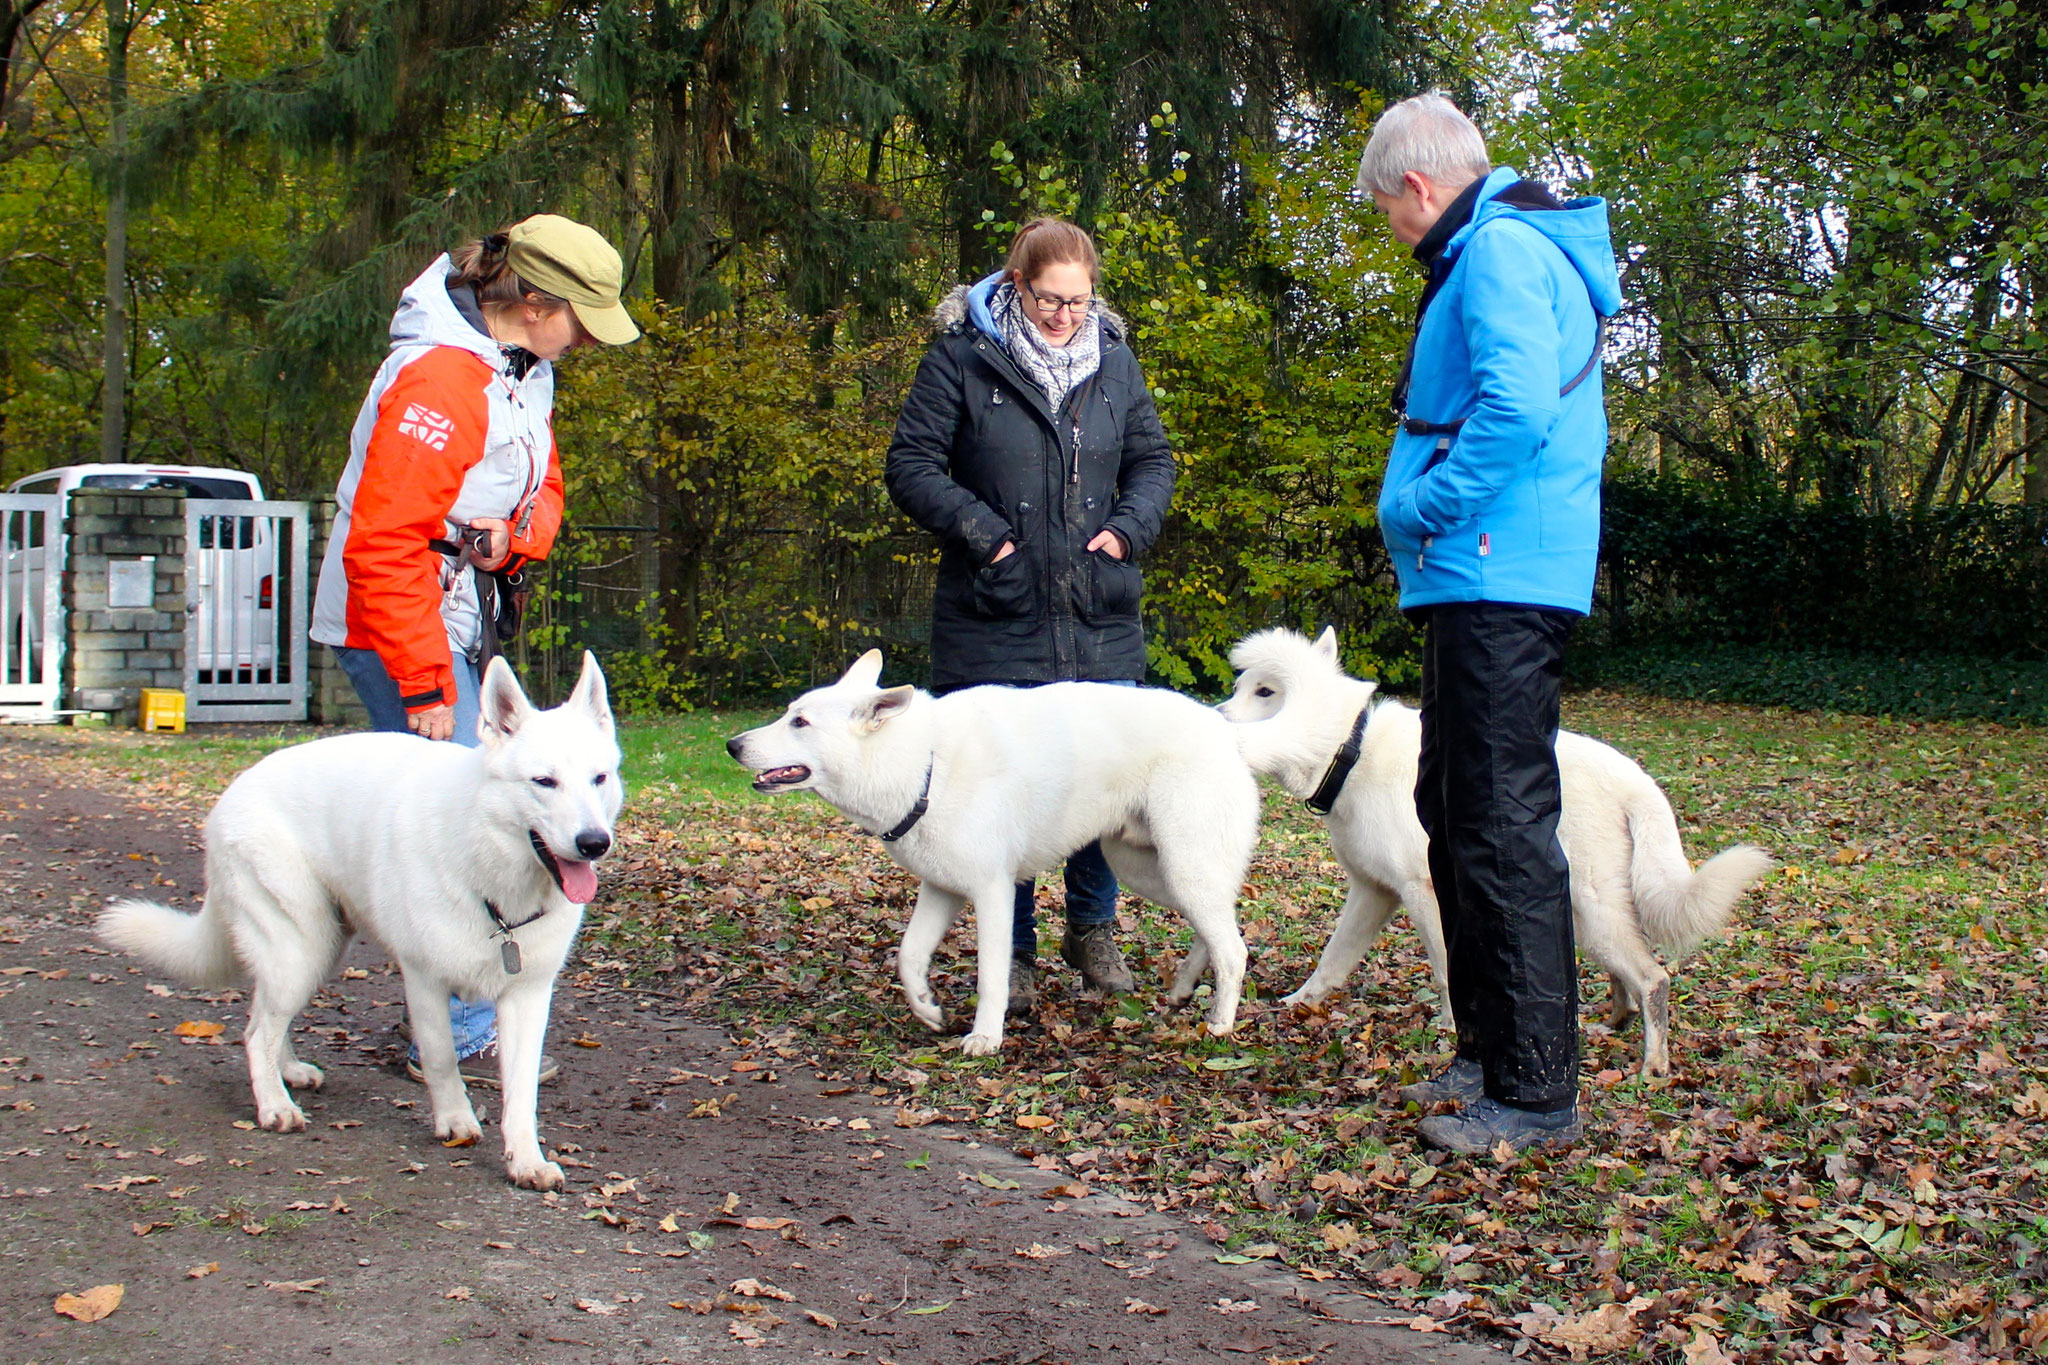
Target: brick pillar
(330, 697)
(111, 653)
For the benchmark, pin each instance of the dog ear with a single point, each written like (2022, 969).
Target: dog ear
(878, 709)
(504, 705)
(591, 695)
(865, 671)
(1326, 643)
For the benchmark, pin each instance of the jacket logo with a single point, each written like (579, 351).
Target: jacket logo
(425, 425)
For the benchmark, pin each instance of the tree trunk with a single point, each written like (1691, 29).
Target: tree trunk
(2033, 416)
(114, 371)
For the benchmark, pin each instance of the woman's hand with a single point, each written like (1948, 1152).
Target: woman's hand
(499, 545)
(436, 722)
(1009, 548)
(1107, 541)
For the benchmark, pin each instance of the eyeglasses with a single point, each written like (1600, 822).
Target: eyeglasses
(1049, 306)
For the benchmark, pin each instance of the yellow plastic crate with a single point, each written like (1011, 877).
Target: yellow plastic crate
(163, 710)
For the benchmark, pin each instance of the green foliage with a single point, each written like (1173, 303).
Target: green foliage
(1837, 218)
(1682, 566)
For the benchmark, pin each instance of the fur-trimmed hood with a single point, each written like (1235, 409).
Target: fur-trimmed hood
(966, 305)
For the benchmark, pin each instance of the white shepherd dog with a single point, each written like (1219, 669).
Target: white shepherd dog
(1631, 884)
(469, 867)
(976, 790)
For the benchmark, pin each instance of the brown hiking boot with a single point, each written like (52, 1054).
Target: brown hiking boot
(482, 1069)
(1023, 985)
(1092, 948)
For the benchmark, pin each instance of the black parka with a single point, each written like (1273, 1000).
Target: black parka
(979, 457)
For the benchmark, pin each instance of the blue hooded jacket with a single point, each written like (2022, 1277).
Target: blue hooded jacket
(1511, 511)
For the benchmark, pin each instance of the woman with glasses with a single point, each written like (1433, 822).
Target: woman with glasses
(1030, 446)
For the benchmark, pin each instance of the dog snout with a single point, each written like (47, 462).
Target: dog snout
(592, 843)
(734, 745)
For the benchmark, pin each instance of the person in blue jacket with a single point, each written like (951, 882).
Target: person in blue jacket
(1491, 513)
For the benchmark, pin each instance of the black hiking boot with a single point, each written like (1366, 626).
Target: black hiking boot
(1462, 1082)
(1484, 1124)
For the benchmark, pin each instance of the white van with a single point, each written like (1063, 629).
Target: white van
(230, 572)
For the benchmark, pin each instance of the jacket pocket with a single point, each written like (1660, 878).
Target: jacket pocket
(1111, 588)
(1004, 590)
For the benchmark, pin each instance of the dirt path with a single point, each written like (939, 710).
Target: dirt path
(127, 1157)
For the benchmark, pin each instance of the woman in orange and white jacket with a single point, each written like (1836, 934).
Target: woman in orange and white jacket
(457, 433)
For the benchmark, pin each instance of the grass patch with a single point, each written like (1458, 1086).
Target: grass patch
(1932, 687)
(1847, 1166)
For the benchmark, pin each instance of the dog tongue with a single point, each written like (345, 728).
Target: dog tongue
(579, 881)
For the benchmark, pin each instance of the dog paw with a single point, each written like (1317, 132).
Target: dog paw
(981, 1044)
(285, 1118)
(928, 1013)
(458, 1129)
(532, 1174)
(1303, 999)
(304, 1076)
(1222, 1030)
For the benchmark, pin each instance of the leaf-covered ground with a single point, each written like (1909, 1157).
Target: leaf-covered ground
(1846, 1165)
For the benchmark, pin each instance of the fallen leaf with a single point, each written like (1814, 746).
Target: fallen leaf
(825, 1320)
(1036, 1252)
(1035, 1120)
(769, 1224)
(593, 1306)
(465, 1140)
(933, 1308)
(916, 1118)
(754, 1289)
(200, 1028)
(295, 1286)
(1140, 1306)
(346, 1123)
(586, 1040)
(1227, 1305)
(1704, 1350)
(996, 1182)
(200, 1272)
(93, 1304)
(460, 1292)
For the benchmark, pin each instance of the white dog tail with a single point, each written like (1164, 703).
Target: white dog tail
(1680, 908)
(194, 949)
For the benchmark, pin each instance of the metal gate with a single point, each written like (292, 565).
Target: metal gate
(31, 614)
(245, 610)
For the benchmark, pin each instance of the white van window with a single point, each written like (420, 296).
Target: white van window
(39, 486)
(193, 485)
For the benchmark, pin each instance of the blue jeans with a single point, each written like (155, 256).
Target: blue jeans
(1091, 886)
(476, 1026)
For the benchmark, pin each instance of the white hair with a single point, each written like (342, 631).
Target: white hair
(1427, 135)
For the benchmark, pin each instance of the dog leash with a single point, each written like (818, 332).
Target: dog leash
(508, 952)
(917, 811)
(1325, 795)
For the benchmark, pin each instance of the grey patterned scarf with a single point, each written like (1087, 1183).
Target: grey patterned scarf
(1056, 369)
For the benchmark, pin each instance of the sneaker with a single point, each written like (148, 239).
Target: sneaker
(482, 1069)
(1484, 1124)
(1460, 1083)
(1092, 948)
(1023, 985)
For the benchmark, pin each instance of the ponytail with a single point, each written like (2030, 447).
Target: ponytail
(483, 265)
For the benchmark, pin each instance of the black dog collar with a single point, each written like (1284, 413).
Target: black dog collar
(1325, 795)
(917, 811)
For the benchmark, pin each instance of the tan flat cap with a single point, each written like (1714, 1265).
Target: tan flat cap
(561, 256)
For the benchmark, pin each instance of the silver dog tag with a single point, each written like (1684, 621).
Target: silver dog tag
(509, 955)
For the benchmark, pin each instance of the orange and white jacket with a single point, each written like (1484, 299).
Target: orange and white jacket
(448, 433)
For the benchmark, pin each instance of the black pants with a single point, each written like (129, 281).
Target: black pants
(1489, 796)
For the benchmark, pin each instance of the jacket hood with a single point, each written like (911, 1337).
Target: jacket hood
(1579, 230)
(967, 305)
(427, 316)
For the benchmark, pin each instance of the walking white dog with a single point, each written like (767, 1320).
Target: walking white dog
(981, 788)
(1631, 883)
(469, 867)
